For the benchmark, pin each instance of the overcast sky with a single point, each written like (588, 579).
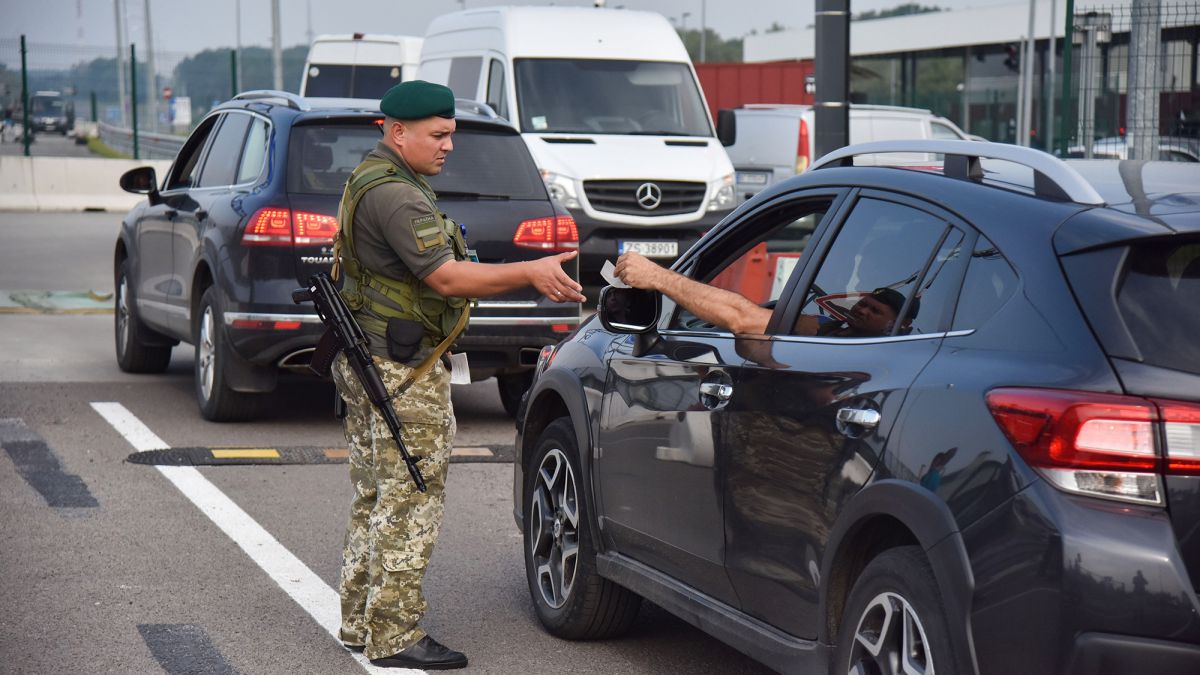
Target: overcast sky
(189, 26)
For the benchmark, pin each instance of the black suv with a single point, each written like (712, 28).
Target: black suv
(1004, 478)
(248, 211)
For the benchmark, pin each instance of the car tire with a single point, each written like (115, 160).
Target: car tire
(895, 620)
(218, 402)
(139, 348)
(512, 387)
(571, 600)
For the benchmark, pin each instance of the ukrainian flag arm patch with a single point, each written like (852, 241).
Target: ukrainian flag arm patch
(428, 232)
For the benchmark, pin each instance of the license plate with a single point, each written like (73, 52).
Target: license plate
(651, 249)
(753, 177)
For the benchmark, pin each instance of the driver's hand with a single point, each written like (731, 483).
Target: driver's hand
(637, 270)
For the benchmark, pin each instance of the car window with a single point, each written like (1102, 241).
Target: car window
(464, 76)
(220, 167)
(1157, 300)
(321, 156)
(942, 132)
(489, 164)
(183, 171)
(757, 260)
(871, 272)
(497, 97)
(255, 155)
(989, 283)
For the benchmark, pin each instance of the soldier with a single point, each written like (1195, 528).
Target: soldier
(408, 281)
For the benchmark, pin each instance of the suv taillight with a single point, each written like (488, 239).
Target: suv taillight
(283, 227)
(557, 233)
(802, 158)
(1102, 445)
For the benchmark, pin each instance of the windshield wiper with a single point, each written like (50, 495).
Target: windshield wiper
(659, 133)
(470, 195)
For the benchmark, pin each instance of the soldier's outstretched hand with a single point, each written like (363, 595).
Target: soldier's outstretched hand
(547, 276)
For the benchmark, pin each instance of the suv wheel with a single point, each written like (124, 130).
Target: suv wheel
(894, 620)
(133, 354)
(571, 600)
(512, 387)
(218, 402)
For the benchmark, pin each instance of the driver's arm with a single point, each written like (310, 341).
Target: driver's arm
(717, 306)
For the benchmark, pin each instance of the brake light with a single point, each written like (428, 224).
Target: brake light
(557, 233)
(802, 158)
(283, 227)
(1100, 445)
(1181, 430)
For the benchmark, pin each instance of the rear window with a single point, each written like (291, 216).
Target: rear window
(483, 163)
(344, 81)
(1158, 301)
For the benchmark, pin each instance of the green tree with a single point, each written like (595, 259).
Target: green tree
(716, 50)
(206, 77)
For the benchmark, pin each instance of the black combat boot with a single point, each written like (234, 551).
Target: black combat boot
(427, 654)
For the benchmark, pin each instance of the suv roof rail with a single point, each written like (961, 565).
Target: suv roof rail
(476, 107)
(1051, 176)
(293, 101)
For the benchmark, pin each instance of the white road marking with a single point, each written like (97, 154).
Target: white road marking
(285, 569)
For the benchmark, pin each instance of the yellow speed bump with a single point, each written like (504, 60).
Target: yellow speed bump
(245, 453)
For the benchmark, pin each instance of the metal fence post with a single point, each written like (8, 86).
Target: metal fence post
(93, 98)
(1068, 42)
(233, 67)
(25, 132)
(133, 94)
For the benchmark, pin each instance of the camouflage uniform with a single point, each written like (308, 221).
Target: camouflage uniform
(393, 526)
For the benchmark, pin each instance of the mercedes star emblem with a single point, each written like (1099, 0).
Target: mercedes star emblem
(649, 196)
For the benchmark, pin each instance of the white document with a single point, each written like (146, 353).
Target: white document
(609, 274)
(460, 372)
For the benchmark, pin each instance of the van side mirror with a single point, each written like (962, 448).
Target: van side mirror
(141, 181)
(629, 310)
(726, 127)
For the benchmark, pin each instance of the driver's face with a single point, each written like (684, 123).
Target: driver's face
(871, 317)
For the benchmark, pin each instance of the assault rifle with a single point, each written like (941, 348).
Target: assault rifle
(343, 334)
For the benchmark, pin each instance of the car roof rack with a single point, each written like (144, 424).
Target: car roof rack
(1051, 176)
(476, 107)
(293, 101)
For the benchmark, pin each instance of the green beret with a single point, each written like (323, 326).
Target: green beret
(417, 99)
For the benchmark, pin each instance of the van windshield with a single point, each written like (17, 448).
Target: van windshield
(592, 96)
(346, 81)
(46, 105)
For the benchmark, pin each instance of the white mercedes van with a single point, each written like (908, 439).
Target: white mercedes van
(359, 65)
(610, 107)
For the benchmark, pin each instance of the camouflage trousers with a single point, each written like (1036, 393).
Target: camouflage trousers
(393, 526)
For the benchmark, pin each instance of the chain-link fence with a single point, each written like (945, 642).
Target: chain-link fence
(1134, 83)
(173, 90)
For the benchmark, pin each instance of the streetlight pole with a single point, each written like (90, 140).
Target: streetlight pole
(152, 94)
(703, 30)
(831, 112)
(237, 22)
(118, 12)
(276, 50)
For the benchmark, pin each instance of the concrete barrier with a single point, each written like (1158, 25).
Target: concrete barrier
(68, 183)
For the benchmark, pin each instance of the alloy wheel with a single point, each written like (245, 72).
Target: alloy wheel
(890, 640)
(554, 523)
(206, 353)
(123, 325)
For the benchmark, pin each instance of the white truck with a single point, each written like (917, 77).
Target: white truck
(609, 105)
(358, 65)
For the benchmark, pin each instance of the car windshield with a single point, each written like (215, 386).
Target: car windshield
(43, 105)
(593, 96)
(483, 165)
(346, 81)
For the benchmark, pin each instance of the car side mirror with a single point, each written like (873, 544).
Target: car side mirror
(629, 310)
(726, 127)
(141, 181)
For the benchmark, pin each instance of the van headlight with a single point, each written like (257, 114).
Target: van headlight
(561, 188)
(722, 199)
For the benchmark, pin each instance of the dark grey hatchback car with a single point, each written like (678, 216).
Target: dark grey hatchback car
(1005, 479)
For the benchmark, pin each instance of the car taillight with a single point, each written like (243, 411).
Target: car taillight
(802, 158)
(1102, 445)
(283, 227)
(557, 233)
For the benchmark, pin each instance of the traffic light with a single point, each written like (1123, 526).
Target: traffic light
(1012, 58)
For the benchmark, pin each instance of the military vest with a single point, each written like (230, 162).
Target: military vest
(374, 298)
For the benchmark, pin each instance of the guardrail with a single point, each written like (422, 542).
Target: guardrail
(150, 145)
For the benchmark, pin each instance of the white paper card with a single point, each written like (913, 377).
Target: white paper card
(609, 273)
(460, 372)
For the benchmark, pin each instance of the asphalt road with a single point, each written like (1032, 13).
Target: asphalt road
(45, 145)
(109, 566)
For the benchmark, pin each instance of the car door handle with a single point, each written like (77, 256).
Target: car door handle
(171, 213)
(859, 417)
(721, 392)
(201, 214)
